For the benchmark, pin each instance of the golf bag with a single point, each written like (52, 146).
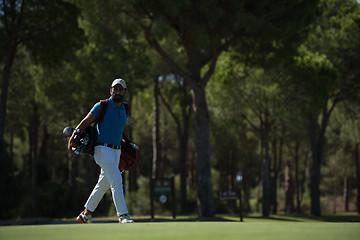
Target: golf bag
(86, 141)
(130, 155)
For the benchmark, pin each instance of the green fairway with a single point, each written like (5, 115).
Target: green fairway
(186, 230)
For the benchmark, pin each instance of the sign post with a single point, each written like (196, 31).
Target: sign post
(162, 188)
(231, 195)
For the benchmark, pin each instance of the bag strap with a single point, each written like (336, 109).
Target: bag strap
(127, 109)
(102, 110)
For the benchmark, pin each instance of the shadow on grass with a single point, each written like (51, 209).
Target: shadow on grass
(190, 219)
(258, 218)
(303, 217)
(341, 218)
(159, 219)
(274, 218)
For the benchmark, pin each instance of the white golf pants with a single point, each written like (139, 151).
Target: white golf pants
(110, 177)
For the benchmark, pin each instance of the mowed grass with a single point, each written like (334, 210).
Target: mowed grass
(217, 230)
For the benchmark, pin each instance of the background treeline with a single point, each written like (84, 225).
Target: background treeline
(261, 96)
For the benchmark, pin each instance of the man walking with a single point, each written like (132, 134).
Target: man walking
(107, 152)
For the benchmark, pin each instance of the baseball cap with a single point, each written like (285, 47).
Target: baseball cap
(119, 81)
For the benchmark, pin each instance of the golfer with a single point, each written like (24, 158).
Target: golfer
(107, 153)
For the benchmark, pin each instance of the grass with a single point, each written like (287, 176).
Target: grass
(253, 228)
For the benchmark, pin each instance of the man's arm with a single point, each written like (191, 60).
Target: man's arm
(126, 131)
(82, 126)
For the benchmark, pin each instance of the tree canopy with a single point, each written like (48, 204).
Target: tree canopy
(259, 97)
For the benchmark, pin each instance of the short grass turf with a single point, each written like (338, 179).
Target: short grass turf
(186, 231)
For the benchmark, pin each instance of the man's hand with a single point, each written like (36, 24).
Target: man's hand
(71, 143)
(82, 126)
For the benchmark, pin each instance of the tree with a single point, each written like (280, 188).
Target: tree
(255, 96)
(206, 29)
(234, 140)
(326, 75)
(156, 133)
(179, 94)
(346, 130)
(38, 25)
(297, 148)
(317, 76)
(112, 52)
(262, 97)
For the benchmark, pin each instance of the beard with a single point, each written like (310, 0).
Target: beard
(117, 98)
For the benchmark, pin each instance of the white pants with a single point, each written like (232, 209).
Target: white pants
(110, 177)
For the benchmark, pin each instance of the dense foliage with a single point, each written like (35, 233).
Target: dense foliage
(279, 93)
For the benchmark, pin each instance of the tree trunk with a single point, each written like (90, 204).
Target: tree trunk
(183, 135)
(233, 172)
(183, 171)
(346, 194)
(273, 176)
(185, 104)
(131, 176)
(265, 166)
(223, 173)
(9, 60)
(297, 180)
(273, 193)
(163, 159)
(275, 170)
(34, 132)
(10, 56)
(205, 196)
(202, 142)
(355, 156)
(72, 181)
(289, 189)
(315, 174)
(246, 184)
(317, 140)
(156, 135)
(335, 193)
(192, 171)
(44, 143)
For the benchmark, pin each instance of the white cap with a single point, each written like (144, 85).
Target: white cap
(119, 81)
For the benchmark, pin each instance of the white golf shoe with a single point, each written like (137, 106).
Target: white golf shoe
(125, 219)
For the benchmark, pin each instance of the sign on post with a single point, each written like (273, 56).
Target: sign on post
(230, 195)
(162, 188)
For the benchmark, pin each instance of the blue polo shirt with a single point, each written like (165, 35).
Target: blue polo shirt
(111, 128)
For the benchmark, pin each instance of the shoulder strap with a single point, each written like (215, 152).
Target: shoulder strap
(102, 110)
(127, 108)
